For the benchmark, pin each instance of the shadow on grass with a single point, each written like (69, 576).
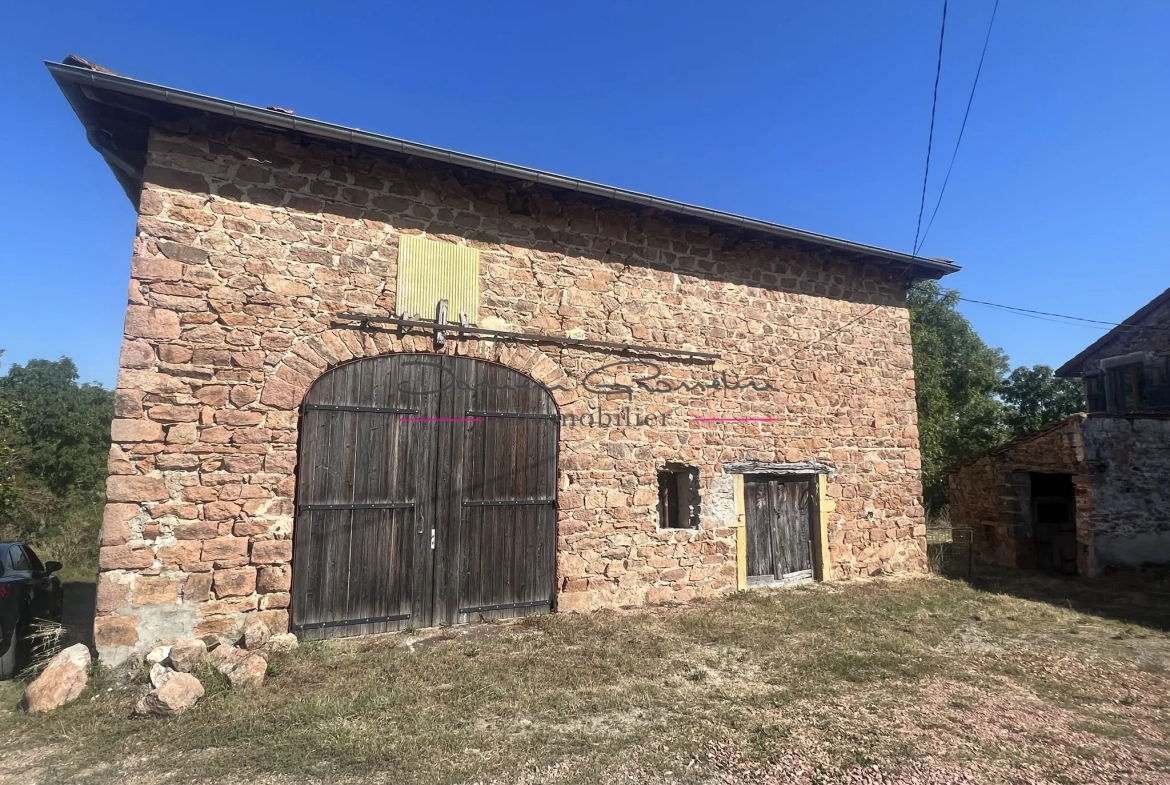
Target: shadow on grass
(1140, 597)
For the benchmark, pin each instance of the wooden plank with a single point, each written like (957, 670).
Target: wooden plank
(313, 433)
(758, 528)
(801, 541)
(398, 470)
(424, 375)
(472, 520)
(819, 549)
(450, 493)
(363, 582)
(312, 567)
(338, 529)
(516, 519)
(780, 503)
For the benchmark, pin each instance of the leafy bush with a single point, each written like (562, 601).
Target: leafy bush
(54, 444)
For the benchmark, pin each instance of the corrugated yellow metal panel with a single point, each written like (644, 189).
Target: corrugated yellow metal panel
(429, 271)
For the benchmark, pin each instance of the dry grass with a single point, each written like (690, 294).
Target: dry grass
(44, 643)
(1019, 679)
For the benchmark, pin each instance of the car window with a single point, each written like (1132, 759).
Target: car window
(17, 560)
(34, 562)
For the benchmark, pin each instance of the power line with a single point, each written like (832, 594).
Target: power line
(963, 127)
(1098, 323)
(831, 333)
(930, 138)
(906, 282)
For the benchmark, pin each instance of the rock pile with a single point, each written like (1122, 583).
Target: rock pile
(175, 689)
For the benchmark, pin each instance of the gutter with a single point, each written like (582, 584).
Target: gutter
(68, 74)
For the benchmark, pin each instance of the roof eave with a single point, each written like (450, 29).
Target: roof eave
(67, 76)
(1076, 366)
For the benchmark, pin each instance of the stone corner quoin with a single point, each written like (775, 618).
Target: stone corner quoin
(248, 244)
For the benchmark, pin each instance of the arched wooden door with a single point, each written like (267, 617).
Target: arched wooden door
(426, 495)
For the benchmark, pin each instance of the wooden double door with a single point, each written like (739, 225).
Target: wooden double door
(781, 512)
(426, 495)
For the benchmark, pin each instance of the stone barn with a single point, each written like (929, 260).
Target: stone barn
(1092, 491)
(368, 384)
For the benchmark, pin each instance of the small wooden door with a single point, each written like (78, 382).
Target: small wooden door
(426, 495)
(780, 517)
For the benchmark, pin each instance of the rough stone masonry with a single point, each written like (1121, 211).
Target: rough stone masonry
(1117, 464)
(250, 241)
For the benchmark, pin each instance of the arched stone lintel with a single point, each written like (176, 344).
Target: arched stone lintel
(305, 362)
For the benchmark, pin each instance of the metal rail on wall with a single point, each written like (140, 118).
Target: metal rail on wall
(365, 321)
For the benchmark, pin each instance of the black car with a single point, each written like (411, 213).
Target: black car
(28, 590)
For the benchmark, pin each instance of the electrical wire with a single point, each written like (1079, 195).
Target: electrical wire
(906, 282)
(1071, 320)
(930, 138)
(963, 127)
(831, 333)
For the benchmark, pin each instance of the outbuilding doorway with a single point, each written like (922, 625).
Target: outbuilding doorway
(780, 525)
(426, 495)
(1054, 527)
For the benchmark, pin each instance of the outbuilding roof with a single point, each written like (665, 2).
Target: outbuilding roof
(115, 128)
(1076, 366)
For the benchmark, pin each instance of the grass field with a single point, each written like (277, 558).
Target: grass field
(1016, 678)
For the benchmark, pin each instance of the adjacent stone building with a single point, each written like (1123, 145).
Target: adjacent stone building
(1092, 491)
(626, 399)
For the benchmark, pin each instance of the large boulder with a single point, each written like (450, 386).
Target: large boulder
(186, 655)
(177, 694)
(60, 682)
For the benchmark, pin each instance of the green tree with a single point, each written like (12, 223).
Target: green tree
(54, 443)
(65, 426)
(11, 439)
(1033, 398)
(958, 379)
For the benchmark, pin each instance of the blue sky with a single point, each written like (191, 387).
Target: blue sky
(812, 114)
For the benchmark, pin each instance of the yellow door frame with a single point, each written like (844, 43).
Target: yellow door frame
(822, 566)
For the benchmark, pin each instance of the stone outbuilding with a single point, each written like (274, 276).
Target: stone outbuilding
(1092, 491)
(368, 384)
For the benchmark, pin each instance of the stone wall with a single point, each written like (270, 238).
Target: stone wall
(248, 242)
(1129, 462)
(992, 494)
(1120, 465)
